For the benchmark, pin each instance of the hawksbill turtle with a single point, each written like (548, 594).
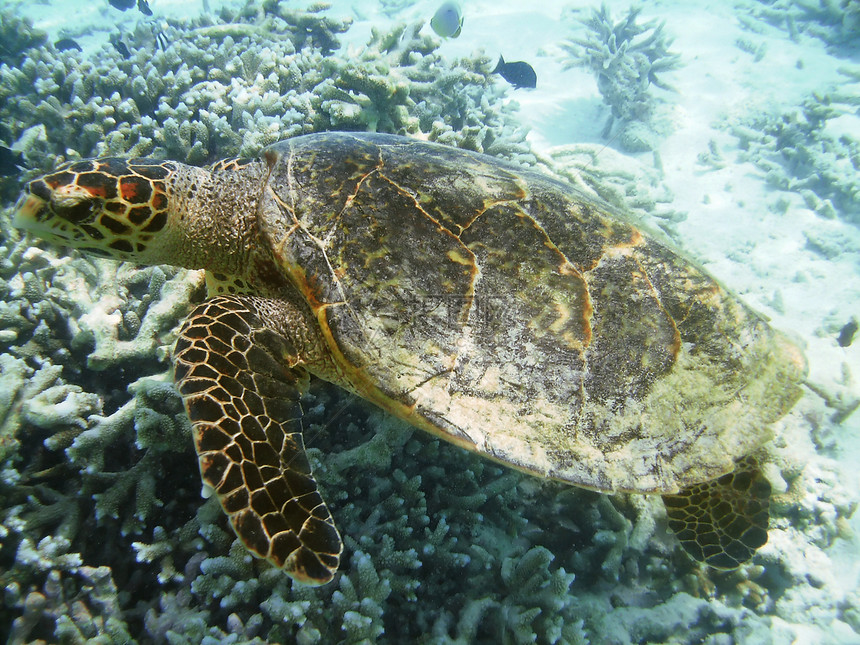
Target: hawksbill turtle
(493, 306)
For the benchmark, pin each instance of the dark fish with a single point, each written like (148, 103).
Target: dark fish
(143, 5)
(846, 334)
(121, 48)
(518, 73)
(11, 162)
(64, 44)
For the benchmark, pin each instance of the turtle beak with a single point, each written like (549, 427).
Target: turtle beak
(29, 211)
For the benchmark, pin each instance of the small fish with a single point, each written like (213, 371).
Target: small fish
(518, 73)
(11, 162)
(448, 20)
(65, 44)
(160, 39)
(143, 5)
(121, 48)
(846, 334)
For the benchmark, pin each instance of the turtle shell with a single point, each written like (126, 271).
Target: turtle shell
(513, 315)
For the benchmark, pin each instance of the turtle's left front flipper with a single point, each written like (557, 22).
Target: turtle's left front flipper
(241, 381)
(722, 522)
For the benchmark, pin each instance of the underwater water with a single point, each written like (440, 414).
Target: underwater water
(730, 129)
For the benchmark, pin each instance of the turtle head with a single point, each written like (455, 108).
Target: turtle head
(109, 207)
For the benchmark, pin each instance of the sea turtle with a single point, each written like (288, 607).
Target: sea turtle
(491, 305)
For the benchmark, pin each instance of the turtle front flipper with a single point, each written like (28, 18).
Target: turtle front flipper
(722, 522)
(241, 386)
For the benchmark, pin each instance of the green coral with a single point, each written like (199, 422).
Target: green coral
(441, 546)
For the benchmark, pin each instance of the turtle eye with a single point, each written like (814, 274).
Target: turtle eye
(76, 209)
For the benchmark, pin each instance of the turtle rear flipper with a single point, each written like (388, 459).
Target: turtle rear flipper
(243, 401)
(722, 522)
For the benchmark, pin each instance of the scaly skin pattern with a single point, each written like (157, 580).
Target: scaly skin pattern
(233, 372)
(493, 306)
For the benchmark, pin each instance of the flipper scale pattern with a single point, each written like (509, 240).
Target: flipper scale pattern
(243, 402)
(722, 522)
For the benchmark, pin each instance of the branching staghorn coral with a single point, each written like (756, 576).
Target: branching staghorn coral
(230, 88)
(836, 22)
(17, 35)
(626, 58)
(796, 150)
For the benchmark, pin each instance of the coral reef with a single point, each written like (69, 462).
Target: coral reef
(442, 547)
(394, 8)
(834, 21)
(84, 442)
(803, 150)
(17, 35)
(626, 58)
(230, 88)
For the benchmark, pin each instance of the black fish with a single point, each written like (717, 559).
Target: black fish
(518, 73)
(121, 48)
(64, 44)
(11, 162)
(143, 5)
(846, 334)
